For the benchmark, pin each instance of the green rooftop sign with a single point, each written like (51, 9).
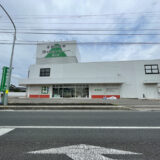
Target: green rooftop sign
(56, 51)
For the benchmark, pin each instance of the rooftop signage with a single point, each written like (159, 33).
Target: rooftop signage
(56, 51)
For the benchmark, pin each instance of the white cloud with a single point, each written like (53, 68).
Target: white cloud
(25, 55)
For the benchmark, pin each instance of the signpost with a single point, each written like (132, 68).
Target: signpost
(3, 86)
(8, 80)
(4, 78)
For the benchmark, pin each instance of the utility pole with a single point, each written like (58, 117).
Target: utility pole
(11, 60)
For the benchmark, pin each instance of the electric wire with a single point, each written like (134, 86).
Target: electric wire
(86, 43)
(85, 34)
(89, 15)
(83, 23)
(82, 29)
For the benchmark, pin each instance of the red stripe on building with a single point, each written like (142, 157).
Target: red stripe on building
(38, 96)
(105, 96)
(44, 96)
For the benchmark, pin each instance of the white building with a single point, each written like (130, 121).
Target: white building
(57, 73)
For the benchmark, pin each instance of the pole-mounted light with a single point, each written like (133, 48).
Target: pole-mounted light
(11, 59)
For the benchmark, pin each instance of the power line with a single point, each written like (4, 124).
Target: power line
(82, 29)
(79, 17)
(87, 43)
(119, 13)
(96, 23)
(68, 42)
(85, 34)
(89, 15)
(117, 21)
(120, 17)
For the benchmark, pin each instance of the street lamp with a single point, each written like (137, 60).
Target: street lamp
(11, 60)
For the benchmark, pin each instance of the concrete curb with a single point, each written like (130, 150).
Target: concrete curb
(64, 107)
(59, 104)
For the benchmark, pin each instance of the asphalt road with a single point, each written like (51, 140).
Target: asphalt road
(92, 135)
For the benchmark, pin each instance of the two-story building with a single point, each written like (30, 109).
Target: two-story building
(58, 73)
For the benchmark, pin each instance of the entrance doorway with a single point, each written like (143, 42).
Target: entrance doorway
(70, 91)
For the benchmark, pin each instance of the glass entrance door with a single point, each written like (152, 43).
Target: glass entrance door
(71, 91)
(68, 92)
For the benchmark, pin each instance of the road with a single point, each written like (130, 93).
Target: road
(79, 135)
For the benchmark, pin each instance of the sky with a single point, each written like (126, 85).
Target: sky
(116, 17)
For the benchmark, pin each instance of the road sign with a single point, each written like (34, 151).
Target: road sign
(4, 78)
(85, 152)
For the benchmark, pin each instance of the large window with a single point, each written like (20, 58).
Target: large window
(151, 69)
(44, 72)
(70, 91)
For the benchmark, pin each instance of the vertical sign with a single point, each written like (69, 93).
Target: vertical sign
(4, 78)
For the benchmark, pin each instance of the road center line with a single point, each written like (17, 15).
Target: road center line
(4, 130)
(78, 127)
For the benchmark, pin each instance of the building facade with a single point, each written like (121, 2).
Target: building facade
(59, 74)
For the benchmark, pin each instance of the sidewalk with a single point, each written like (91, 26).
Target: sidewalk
(85, 101)
(85, 104)
(145, 107)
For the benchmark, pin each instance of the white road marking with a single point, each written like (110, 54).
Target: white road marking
(5, 130)
(73, 110)
(82, 127)
(8, 110)
(85, 152)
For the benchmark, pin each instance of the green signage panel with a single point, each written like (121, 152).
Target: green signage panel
(98, 89)
(44, 90)
(4, 78)
(56, 51)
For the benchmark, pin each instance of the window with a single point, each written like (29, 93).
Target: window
(48, 47)
(151, 69)
(63, 45)
(68, 91)
(44, 90)
(44, 72)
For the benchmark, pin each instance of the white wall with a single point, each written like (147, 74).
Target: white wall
(17, 94)
(36, 90)
(104, 89)
(151, 91)
(70, 50)
(130, 74)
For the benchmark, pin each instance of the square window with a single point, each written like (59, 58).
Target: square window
(155, 71)
(44, 72)
(148, 67)
(151, 69)
(148, 71)
(155, 67)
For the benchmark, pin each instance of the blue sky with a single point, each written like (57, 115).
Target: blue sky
(119, 15)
